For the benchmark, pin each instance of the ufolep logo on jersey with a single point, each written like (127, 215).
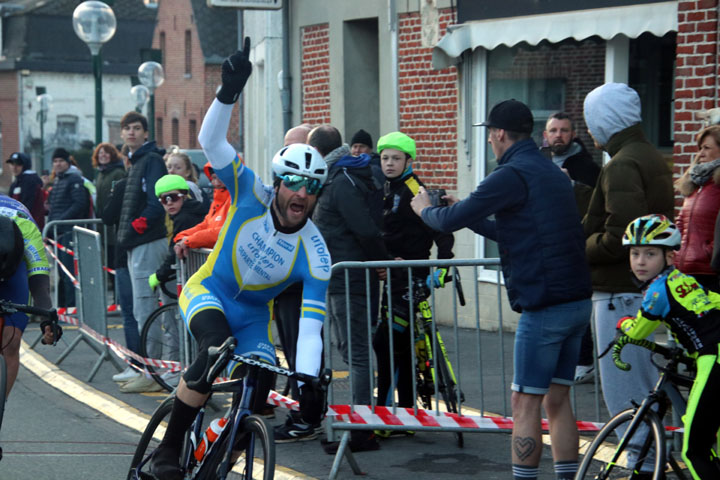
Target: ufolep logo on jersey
(322, 256)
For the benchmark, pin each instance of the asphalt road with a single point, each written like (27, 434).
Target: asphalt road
(58, 426)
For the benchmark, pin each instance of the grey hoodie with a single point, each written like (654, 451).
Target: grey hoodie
(609, 109)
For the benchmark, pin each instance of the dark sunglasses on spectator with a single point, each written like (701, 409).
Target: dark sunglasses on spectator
(171, 197)
(296, 182)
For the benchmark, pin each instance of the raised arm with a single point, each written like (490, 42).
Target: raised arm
(213, 134)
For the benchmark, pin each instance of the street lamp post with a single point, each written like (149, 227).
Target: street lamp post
(139, 94)
(152, 76)
(45, 102)
(94, 22)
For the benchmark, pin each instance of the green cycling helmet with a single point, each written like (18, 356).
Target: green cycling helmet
(169, 183)
(397, 141)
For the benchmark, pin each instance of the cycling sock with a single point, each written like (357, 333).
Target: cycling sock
(182, 416)
(565, 470)
(521, 472)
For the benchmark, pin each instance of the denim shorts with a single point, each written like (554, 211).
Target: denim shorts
(547, 346)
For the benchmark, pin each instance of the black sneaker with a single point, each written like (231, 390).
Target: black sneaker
(165, 464)
(294, 431)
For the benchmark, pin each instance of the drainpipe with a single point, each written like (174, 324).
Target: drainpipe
(285, 92)
(393, 27)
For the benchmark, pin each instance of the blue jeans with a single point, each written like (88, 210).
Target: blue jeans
(547, 346)
(123, 286)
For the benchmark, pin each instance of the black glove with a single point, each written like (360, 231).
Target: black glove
(313, 404)
(235, 71)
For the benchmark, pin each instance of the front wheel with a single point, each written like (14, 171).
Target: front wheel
(256, 458)
(148, 442)
(448, 389)
(603, 458)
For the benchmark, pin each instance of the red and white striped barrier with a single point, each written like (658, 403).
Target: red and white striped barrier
(69, 252)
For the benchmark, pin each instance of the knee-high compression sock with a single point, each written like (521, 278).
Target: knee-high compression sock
(565, 470)
(521, 472)
(181, 417)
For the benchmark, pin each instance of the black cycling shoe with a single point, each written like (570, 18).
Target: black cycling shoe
(165, 464)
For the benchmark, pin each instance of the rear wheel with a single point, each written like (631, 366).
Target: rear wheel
(605, 458)
(162, 339)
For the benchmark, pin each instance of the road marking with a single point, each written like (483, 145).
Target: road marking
(109, 406)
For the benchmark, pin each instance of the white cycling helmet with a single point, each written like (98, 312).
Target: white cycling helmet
(300, 159)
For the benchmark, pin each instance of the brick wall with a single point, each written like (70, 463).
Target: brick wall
(184, 96)
(428, 101)
(696, 76)
(8, 123)
(581, 65)
(315, 74)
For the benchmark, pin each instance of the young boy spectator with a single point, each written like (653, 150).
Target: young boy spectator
(406, 237)
(205, 233)
(27, 188)
(692, 314)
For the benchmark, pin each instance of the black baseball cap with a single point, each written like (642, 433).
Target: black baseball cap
(18, 158)
(509, 115)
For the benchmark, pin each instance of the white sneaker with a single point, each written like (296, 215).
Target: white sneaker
(141, 384)
(171, 378)
(584, 373)
(126, 375)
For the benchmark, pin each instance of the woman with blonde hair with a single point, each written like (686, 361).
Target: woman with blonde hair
(179, 163)
(700, 185)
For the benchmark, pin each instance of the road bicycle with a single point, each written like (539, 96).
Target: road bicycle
(666, 393)
(434, 373)
(244, 429)
(9, 308)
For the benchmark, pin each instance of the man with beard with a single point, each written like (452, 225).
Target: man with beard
(568, 152)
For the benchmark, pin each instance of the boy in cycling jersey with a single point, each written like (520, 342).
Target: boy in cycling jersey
(266, 244)
(692, 314)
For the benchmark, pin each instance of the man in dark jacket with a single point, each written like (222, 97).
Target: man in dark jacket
(343, 216)
(542, 252)
(141, 229)
(635, 182)
(27, 187)
(68, 200)
(568, 152)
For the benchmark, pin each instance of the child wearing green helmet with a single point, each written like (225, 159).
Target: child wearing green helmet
(692, 313)
(408, 238)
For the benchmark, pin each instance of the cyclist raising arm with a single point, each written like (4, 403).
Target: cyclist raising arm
(266, 244)
(24, 269)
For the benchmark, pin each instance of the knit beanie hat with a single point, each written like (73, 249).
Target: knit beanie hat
(361, 136)
(61, 153)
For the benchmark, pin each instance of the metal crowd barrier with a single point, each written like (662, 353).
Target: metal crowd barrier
(481, 360)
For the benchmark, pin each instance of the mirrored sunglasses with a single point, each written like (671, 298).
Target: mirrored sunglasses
(296, 182)
(171, 197)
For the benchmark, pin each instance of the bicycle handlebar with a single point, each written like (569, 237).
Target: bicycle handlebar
(673, 354)
(7, 307)
(218, 358)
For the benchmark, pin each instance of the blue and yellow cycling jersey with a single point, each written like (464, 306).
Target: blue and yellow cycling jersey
(252, 262)
(35, 257)
(678, 300)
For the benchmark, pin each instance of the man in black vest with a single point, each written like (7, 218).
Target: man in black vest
(141, 229)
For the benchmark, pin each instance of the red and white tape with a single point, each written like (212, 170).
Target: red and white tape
(69, 252)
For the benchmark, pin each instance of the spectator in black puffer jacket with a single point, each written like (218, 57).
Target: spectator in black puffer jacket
(68, 200)
(27, 188)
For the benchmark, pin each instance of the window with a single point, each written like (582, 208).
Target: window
(66, 125)
(175, 131)
(159, 136)
(162, 48)
(188, 53)
(192, 133)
